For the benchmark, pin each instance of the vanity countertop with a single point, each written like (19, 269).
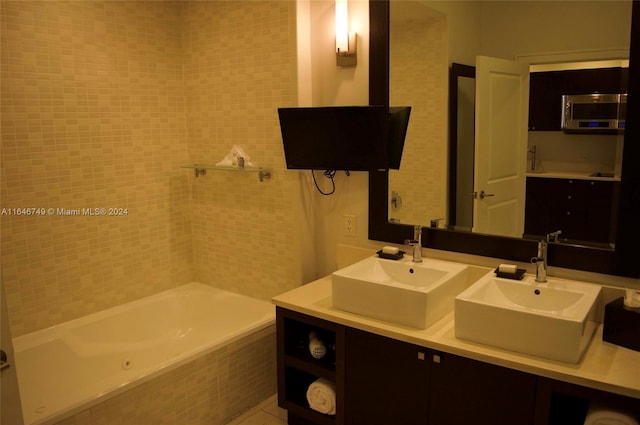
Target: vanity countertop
(571, 175)
(604, 366)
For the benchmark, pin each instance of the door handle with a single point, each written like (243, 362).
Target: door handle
(481, 195)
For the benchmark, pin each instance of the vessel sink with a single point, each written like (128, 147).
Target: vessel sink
(399, 291)
(554, 320)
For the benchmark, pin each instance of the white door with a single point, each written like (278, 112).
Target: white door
(502, 110)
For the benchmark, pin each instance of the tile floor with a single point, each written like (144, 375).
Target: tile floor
(265, 413)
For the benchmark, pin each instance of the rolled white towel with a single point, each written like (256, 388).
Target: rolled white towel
(321, 396)
(600, 415)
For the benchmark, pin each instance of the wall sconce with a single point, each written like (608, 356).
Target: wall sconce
(346, 42)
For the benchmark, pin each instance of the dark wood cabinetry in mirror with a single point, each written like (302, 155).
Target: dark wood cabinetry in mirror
(585, 210)
(547, 88)
(619, 261)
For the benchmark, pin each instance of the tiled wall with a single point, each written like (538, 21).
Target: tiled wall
(418, 73)
(237, 73)
(101, 103)
(92, 117)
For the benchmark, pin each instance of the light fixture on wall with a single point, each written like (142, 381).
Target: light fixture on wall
(346, 42)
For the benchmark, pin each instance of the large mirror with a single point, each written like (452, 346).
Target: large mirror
(424, 35)
(425, 182)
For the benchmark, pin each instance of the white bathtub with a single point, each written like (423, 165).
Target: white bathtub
(68, 368)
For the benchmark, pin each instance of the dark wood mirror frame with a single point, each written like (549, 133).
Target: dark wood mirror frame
(624, 260)
(456, 71)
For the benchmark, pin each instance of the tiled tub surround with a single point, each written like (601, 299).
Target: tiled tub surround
(194, 354)
(92, 116)
(102, 101)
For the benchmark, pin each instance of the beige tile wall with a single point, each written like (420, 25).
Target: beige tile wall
(92, 117)
(101, 103)
(238, 72)
(419, 78)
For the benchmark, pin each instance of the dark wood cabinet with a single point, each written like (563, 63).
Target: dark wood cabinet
(467, 391)
(546, 90)
(599, 80)
(585, 210)
(297, 368)
(545, 100)
(568, 210)
(387, 381)
(383, 381)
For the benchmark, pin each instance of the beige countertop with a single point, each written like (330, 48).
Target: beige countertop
(570, 175)
(603, 366)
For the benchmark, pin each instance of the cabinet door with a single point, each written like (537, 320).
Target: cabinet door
(465, 391)
(537, 215)
(545, 100)
(387, 381)
(599, 80)
(624, 80)
(601, 217)
(569, 207)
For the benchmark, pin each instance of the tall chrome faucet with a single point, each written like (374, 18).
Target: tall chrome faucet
(532, 151)
(541, 259)
(416, 243)
(541, 262)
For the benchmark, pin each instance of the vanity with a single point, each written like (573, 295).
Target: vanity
(386, 373)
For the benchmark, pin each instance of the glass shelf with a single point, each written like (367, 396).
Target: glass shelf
(201, 170)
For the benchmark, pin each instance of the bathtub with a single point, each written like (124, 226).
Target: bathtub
(195, 333)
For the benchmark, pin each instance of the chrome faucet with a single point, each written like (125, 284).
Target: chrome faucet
(532, 151)
(416, 243)
(554, 236)
(541, 260)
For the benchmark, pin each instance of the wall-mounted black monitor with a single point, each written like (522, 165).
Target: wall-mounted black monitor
(335, 138)
(398, 123)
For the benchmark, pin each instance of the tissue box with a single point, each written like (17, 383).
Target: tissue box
(622, 325)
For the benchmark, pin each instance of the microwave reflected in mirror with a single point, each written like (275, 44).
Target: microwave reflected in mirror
(593, 112)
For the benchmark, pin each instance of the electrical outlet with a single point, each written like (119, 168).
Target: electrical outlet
(349, 225)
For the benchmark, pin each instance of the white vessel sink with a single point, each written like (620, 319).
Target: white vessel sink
(399, 291)
(554, 320)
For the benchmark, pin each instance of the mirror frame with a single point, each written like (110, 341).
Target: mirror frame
(456, 70)
(621, 261)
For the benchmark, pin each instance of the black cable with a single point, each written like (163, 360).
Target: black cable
(330, 174)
